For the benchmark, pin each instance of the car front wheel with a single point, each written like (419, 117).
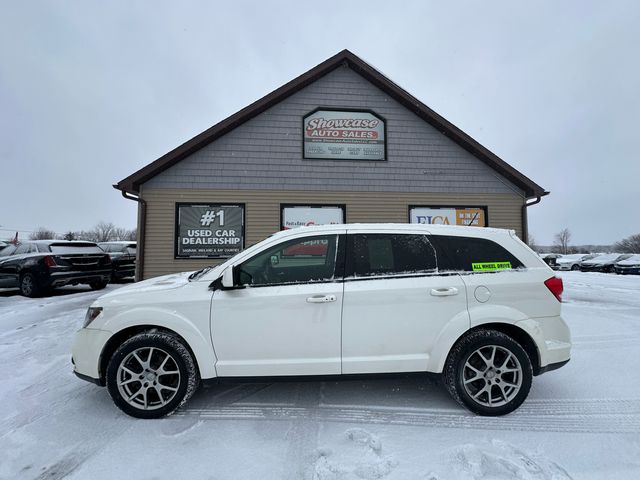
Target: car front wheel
(151, 374)
(29, 285)
(488, 372)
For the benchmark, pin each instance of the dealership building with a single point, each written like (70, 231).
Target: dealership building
(341, 143)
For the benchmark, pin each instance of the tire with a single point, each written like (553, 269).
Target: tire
(484, 354)
(575, 267)
(29, 286)
(98, 284)
(141, 397)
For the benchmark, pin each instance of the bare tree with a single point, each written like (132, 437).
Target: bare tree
(70, 236)
(562, 239)
(531, 241)
(629, 245)
(42, 233)
(120, 233)
(103, 232)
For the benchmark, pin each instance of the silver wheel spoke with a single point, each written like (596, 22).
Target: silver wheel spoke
(142, 364)
(473, 379)
(131, 380)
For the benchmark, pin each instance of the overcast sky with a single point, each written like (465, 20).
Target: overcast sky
(92, 91)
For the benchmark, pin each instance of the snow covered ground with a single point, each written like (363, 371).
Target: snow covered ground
(580, 422)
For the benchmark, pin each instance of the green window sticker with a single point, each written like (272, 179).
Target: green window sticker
(490, 266)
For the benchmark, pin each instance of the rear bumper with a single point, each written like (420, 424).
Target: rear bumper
(552, 338)
(59, 279)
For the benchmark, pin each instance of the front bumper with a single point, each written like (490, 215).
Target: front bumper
(627, 270)
(87, 348)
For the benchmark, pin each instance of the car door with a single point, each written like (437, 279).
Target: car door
(11, 265)
(283, 318)
(396, 304)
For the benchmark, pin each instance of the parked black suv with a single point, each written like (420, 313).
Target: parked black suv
(123, 258)
(40, 265)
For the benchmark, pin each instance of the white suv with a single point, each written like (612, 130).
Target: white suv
(474, 304)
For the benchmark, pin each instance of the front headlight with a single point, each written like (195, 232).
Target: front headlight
(92, 314)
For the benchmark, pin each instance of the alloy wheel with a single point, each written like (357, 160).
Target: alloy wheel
(148, 378)
(492, 376)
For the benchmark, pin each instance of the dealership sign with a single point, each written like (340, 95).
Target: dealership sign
(344, 135)
(470, 216)
(209, 230)
(293, 217)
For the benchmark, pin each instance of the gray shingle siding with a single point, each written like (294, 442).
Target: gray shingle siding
(266, 151)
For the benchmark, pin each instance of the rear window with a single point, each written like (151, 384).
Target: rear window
(469, 254)
(75, 248)
(389, 254)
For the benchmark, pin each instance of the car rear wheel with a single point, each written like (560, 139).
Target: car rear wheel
(575, 267)
(151, 375)
(488, 372)
(29, 285)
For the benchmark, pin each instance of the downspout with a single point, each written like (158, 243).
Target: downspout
(525, 221)
(141, 233)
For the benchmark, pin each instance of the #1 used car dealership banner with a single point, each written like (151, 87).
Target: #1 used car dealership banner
(209, 230)
(344, 135)
(470, 216)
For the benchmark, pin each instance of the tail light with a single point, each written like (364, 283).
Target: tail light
(555, 286)
(49, 261)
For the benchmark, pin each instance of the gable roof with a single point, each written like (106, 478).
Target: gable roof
(132, 183)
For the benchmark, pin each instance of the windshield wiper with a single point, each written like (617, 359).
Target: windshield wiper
(199, 273)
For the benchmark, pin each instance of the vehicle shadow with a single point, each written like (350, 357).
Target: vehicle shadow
(339, 397)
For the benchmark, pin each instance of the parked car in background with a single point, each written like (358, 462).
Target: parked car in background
(35, 267)
(551, 259)
(475, 305)
(602, 263)
(123, 258)
(572, 261)
(628, 265)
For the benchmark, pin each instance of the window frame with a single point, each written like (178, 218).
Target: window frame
(338, 268)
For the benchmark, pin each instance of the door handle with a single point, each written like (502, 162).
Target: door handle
(444, 292)
(321, 299)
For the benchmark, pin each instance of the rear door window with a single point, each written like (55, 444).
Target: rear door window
(469, 254)
(375, 254)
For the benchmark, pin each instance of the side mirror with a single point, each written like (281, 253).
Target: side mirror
(227, 278)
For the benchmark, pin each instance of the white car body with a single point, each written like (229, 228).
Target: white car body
(572, 261)
(373, 325)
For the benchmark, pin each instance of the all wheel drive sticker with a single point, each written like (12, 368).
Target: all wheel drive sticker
(209, 230)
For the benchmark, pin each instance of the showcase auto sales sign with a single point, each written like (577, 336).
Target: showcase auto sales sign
(344, 135)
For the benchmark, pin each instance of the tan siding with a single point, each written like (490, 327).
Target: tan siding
(262, 214)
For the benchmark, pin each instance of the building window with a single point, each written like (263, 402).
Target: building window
(293, 216)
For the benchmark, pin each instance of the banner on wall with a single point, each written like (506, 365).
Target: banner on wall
(344, 135)
(293, 217)
(209, 230)
(469, 216)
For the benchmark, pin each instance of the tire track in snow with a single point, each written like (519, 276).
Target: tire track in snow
(579, 416)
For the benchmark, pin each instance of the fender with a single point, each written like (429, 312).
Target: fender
(171, 320)
(459, 326)
(447, 337)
